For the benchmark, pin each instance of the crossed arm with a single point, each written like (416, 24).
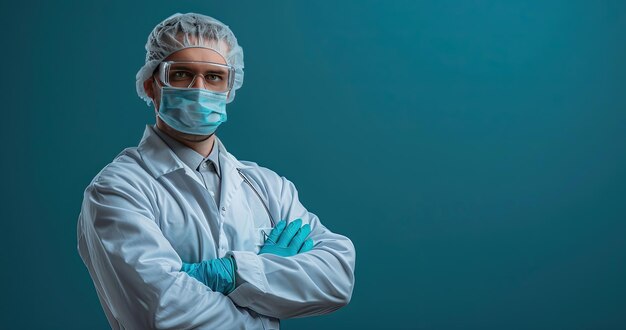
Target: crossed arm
(138, 271)
(220, 274)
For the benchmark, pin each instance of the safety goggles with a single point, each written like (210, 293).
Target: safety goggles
(197, 74)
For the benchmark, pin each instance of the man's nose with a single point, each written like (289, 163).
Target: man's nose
(198, 82)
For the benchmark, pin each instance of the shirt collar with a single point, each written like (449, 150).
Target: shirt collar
(159, 158)
(187, 155)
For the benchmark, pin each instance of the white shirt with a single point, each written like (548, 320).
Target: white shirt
(146, 212)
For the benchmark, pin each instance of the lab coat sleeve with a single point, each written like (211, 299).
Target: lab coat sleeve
(136, 270)
(316, 282)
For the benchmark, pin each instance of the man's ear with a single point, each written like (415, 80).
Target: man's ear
(149, 87)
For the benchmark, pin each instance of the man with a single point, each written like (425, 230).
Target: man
(177, 233)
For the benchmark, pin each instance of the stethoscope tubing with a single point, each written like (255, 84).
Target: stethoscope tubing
(267, 209)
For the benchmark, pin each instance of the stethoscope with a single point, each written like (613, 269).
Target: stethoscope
(267, 209)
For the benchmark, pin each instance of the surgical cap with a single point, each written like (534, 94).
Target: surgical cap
(191, 30)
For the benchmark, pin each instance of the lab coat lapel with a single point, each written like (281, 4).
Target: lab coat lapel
(159, 158)
(231, 180)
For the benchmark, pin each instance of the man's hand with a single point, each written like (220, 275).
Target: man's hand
(217, 274)
(290, 241)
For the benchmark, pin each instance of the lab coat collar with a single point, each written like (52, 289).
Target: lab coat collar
(160, 159)
(189, 156)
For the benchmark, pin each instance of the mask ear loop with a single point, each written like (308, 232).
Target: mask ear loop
(156, 81)
(161, 76)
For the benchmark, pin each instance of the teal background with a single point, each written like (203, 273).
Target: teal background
(474, 151)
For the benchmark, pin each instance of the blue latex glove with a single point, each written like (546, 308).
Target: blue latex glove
(217, 274)
(290, 241)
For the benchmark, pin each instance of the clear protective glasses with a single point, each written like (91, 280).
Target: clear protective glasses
(197, 74)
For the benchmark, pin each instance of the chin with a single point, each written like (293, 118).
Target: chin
(193, 137)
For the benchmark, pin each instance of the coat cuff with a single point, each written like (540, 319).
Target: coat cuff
(249, 277)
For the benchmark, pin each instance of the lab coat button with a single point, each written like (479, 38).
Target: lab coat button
(223, 209)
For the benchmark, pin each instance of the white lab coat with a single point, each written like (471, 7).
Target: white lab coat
(146, 212)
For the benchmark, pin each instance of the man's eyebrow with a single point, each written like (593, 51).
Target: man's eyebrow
(212, 70)
(183, 67)
(216, 71)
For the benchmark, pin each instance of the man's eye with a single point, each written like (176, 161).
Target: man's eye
(178, 75)
(213, 77)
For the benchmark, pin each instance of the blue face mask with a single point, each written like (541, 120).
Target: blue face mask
(192, 110)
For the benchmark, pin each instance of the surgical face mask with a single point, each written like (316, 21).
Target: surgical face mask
(192, 110)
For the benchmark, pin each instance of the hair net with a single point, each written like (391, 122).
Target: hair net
(181, 31)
